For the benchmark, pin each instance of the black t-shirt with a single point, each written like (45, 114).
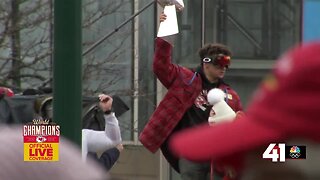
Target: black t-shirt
(198, 113)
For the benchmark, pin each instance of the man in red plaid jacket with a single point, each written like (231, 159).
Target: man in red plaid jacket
(185, 104)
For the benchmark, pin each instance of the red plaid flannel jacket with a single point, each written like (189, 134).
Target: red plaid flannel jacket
(183, 86)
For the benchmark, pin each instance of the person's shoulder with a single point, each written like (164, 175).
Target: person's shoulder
(183, 70)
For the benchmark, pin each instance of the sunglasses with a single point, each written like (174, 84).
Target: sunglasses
(220, 59)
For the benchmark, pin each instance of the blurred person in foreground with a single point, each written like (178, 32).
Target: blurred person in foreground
(284, 109)
(70, 166)
(104, 146)
(185, 105)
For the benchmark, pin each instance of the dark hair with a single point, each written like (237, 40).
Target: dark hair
(213, 49)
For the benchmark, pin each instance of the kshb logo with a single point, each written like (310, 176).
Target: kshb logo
(281, 152)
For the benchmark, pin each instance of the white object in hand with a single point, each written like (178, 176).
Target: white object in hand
(170, 25)
(221, 110)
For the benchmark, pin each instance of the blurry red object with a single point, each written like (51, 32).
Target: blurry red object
(4, 91)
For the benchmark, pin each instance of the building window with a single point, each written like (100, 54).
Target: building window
(257, 29)
(146, 79)
(122, 64)
(108, 67)
(188, 41)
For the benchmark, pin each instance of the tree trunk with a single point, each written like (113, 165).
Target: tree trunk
(15, 44)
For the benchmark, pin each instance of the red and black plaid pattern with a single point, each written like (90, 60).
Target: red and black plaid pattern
(182, 92)
(179, 98)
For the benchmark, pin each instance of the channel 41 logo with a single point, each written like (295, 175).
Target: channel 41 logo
(281, 152)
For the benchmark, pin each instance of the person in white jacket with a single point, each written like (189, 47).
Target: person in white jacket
(99, 141)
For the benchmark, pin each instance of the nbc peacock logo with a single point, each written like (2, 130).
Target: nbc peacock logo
(295, 152)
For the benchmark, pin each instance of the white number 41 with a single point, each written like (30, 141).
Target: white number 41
(273, 152)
